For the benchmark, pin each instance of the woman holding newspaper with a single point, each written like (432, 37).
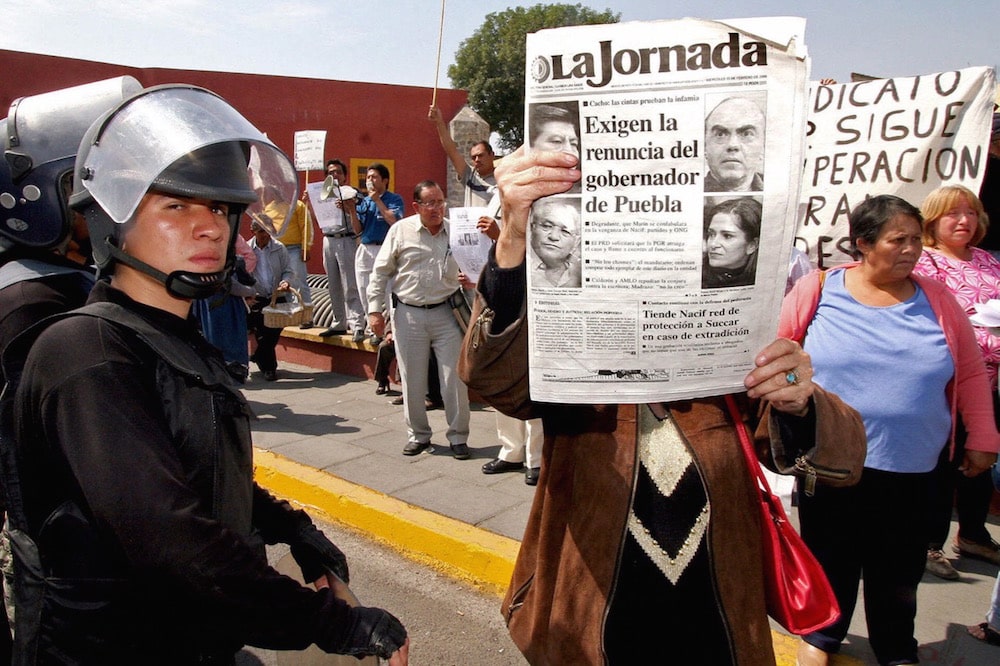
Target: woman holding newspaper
(638, 538)
(899, 349)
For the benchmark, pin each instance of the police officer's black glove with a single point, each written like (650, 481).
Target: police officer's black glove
(315, 555)
(371, 631)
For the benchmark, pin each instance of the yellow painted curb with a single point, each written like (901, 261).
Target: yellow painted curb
(469, 553)
(786, 647)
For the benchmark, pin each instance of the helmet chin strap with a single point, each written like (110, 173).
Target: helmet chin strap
(182, 284)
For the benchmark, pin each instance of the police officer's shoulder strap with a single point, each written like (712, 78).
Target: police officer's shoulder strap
(174, 352)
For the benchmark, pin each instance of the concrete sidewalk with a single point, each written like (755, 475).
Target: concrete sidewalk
(324, 437)
(327, 442)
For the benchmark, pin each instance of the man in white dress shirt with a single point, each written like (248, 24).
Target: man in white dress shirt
(416, 259)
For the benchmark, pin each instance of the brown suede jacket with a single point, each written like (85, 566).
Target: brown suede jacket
(566, 569)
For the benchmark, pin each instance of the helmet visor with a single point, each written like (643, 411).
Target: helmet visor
(40, 138)
(49, 126)
(155, 129)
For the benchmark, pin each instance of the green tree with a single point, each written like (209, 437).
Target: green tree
(490, 63)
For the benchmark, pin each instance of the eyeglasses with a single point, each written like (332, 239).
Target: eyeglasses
(432, 204)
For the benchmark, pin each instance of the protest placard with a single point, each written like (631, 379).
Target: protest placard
(309, 145)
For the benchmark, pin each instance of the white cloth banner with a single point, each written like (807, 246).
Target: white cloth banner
(903, 136)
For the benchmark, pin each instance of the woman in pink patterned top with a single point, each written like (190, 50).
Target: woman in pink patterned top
(954, 222)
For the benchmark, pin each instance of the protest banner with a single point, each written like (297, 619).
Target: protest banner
(661, 275)
(902, 136)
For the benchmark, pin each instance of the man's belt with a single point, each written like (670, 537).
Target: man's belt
(340, 234)
(396, 300)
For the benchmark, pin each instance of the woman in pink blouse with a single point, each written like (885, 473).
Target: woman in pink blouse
(954, 222)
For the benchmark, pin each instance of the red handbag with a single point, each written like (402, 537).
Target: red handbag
(799, 596)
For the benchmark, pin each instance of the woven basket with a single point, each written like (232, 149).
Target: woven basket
(280, 315)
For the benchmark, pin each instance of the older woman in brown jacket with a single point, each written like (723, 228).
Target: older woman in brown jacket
(643, 542)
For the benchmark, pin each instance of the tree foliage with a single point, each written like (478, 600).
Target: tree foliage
(490, 63)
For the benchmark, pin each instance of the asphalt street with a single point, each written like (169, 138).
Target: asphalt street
(449, 622)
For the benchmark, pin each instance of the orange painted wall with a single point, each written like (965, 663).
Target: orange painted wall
(361, 119)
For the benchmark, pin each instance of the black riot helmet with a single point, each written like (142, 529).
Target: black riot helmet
(182, 140)
(40, 137)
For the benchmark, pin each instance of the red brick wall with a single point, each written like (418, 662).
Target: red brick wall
(362, 120)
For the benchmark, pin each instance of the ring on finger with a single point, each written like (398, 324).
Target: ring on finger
(792, 377)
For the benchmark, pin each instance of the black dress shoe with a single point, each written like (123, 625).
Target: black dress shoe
(460, 451)
(431, 405)
(398, 400)
(497, 466)
(382, 389)
(331, 332)
(270, 375)
(413, 448)
(238, 371)
(531, 476)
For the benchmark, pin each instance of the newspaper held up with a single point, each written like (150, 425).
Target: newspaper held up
(469, 246)
(661, 276)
